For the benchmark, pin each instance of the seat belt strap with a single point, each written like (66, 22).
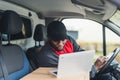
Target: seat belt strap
(3, 66)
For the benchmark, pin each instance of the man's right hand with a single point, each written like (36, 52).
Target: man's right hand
(100, 62)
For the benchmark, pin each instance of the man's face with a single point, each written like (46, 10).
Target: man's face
(58, 45)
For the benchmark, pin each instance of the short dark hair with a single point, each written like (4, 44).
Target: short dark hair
(56, 30)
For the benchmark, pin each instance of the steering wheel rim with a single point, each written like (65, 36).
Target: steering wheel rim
(115, 52)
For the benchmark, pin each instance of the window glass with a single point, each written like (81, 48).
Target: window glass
(116, 18)
(87, 33)
(112, 40)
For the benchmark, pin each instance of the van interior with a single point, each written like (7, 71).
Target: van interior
(94, 24)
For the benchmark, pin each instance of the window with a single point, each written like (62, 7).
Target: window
(89, 35)
(112, 41)
(116, 18)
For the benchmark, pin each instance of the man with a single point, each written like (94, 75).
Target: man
(60, 43)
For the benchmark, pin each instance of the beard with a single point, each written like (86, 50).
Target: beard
(59, 48)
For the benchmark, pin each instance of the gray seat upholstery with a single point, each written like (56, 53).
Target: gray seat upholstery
(39, 35)
(14, 57)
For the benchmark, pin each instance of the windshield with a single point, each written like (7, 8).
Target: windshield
(116, 18)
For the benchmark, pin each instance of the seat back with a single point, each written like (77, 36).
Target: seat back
(14, 57)
(39, 35)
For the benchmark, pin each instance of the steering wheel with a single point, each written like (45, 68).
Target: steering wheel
(115, 52)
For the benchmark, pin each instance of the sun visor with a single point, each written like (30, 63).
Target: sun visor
(94, 4)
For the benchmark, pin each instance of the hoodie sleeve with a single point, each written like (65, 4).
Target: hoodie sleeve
(93, 72)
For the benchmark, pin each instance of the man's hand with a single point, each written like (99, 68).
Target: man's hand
(100, 62)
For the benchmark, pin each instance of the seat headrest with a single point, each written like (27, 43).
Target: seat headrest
(11, 23)
(39, 32)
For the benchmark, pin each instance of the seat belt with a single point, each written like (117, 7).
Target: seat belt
(3, 66)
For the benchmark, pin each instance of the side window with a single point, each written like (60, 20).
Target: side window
(87, 33)
(112, 41)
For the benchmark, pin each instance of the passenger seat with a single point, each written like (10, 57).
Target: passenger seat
(39, 35)
(14, 58)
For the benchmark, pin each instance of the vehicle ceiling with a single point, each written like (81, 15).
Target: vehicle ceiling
(99, 10)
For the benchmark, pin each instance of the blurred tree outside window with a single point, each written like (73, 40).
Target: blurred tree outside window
(88, 34)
